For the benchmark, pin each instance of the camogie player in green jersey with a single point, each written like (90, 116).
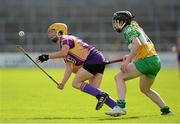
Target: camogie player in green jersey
(142, 61)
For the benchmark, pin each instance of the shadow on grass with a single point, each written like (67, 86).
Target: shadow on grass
(80, 119)
(58, 118)
(64, 118)
(97, 118)
(126, 118)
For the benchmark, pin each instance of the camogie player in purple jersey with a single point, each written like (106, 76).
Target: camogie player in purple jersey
(86, 61)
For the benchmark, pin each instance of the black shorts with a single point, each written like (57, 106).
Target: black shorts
(94, 68)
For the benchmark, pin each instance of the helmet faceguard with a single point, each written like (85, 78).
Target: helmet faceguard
(124, 16)
(118, 25)
(57, 29)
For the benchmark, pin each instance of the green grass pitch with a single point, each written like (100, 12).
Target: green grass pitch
(27, 95)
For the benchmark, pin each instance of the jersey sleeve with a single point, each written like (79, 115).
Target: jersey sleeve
(131, 33)
(69, 42)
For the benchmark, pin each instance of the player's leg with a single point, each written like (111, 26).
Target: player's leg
(81, 76)
(120, 78)
(96, 81)
(78, 83)
(145, 87)
(93, 65)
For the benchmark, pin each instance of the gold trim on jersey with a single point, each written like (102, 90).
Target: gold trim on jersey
(145, 50)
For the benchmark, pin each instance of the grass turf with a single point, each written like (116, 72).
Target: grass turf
(27, 95)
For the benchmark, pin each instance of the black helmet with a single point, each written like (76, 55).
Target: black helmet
(125, 16)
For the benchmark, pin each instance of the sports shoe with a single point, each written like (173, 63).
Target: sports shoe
(101, 99)
(166, 111)
(168, 114)
(116, 111)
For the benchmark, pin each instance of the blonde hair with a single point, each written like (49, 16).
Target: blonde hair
(136, 24)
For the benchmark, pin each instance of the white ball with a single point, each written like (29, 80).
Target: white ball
(21, 33)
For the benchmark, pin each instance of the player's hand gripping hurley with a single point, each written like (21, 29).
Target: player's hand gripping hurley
(23, 51)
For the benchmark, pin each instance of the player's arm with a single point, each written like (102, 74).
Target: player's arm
(67, 75)
(59, 54)
(134, 49)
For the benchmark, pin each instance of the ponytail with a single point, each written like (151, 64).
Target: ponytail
(135, 23)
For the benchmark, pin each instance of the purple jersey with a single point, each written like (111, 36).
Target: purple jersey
(80, 52)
